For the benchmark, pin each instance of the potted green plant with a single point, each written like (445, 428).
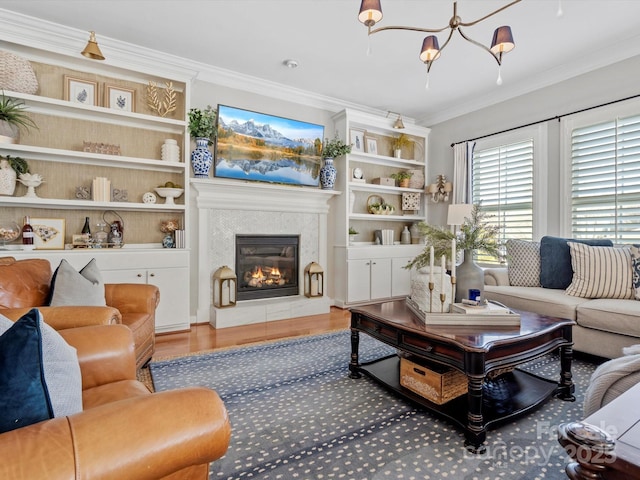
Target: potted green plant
(10, 169)
(330, 150)
(402, 178)
(12, 118)
(398, 142)
(476, 233)
(202, 127)
(352, 235)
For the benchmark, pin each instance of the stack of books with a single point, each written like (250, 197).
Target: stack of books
(179, 239)
(101, 189)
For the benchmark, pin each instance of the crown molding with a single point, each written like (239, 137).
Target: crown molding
(64, 41)
(613, 53)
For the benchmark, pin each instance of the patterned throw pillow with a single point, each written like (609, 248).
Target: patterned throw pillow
(524, 263)
(635, 256)
(600, 272)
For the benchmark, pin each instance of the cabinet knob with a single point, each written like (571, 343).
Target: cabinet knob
(152, 274)
(139, 275)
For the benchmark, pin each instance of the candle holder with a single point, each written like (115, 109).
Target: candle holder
(453, 289)
(443, 297)
(431, 285)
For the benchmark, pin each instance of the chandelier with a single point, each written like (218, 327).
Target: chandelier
(371, 13)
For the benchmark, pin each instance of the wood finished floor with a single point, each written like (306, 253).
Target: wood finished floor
(204, 337)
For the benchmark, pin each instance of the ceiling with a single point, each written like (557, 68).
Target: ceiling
(254, 37)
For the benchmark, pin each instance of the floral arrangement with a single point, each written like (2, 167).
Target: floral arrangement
(476, 233)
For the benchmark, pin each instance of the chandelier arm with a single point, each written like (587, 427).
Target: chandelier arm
(444, 45)
(470, 24)
(478, 44)
(412, 29)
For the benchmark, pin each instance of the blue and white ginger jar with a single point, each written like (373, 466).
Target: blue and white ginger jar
(201, 158)
(328, 174)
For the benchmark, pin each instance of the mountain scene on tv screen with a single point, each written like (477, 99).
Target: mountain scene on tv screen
(258, 147)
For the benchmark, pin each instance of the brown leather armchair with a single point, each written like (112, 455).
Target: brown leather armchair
(24, 284)
(124, 431)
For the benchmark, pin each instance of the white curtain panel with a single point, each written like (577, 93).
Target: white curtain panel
(462, 155)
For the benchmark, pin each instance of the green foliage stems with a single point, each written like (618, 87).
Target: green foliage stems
(202, 123)
(18, 164)
(475, 234)
(334, 148)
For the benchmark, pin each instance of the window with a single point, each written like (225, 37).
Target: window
(503, 182)
(605, 180)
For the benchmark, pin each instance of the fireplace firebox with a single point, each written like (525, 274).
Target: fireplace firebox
(267, 266)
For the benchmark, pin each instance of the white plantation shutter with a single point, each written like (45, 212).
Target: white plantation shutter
(605, 180)
(503, 181)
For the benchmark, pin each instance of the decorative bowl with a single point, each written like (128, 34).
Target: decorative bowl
(169, 194)
(9, 231)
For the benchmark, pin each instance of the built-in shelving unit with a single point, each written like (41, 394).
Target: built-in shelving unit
(366, 272)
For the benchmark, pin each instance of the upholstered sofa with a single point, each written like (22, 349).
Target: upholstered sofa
(122, 431)
(27, 283)
(607, 315)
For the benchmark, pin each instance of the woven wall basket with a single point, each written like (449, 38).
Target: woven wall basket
(16, 74)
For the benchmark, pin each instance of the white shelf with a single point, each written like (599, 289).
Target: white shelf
(386, 218)
(370, 187)
(57, 203)
(74, 156)
(384, 160)
(54, 106)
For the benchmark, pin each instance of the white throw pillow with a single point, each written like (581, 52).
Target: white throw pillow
(600, 272)
(523, 263)
(85, 287)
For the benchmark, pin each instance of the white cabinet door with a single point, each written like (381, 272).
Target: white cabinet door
(359, 280)
(173, 311)
(400, 277)
(380, 278)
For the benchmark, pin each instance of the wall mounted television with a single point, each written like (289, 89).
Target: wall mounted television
(259, 147)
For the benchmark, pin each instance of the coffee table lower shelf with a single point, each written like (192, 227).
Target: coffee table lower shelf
(532, 392)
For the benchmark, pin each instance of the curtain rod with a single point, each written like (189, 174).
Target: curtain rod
(558, 117)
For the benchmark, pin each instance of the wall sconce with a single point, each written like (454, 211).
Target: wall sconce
(440, 190)
(92, 50)
(225, 285)
(398, 125)
(313, 280)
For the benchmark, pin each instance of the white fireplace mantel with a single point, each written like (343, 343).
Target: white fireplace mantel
(239, 208)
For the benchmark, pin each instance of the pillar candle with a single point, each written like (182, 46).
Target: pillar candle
(431, 264)
(453, 257)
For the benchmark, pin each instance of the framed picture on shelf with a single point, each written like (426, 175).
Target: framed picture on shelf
(372, 145)
(119, 98)
(78, 90)
(357, 140)
(48, 233)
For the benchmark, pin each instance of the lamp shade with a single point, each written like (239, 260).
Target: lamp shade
(92, 50)
(370, 12)
(458, 212)
(398, 125)
(502, 40)
(430, 49)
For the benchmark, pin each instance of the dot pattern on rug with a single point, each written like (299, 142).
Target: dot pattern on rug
(296, 414)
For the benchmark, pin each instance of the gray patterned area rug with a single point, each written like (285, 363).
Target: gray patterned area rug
(296, 414)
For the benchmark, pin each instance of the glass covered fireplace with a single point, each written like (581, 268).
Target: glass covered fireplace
(267, 266)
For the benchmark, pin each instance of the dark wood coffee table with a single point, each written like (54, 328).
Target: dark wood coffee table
(475, 351)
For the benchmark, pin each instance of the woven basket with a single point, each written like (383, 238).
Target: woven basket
(16, 74)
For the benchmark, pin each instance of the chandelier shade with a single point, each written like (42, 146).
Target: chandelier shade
(370, 12)
(430, 49)
(502, 41)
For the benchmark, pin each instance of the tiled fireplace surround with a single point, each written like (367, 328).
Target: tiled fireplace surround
(227, 208)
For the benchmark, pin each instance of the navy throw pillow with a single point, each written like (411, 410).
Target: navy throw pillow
(555, 260)
(24, 398)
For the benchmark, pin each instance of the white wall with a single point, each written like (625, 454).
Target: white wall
(615, 82)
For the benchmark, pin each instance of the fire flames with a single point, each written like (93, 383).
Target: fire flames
(271, 276)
